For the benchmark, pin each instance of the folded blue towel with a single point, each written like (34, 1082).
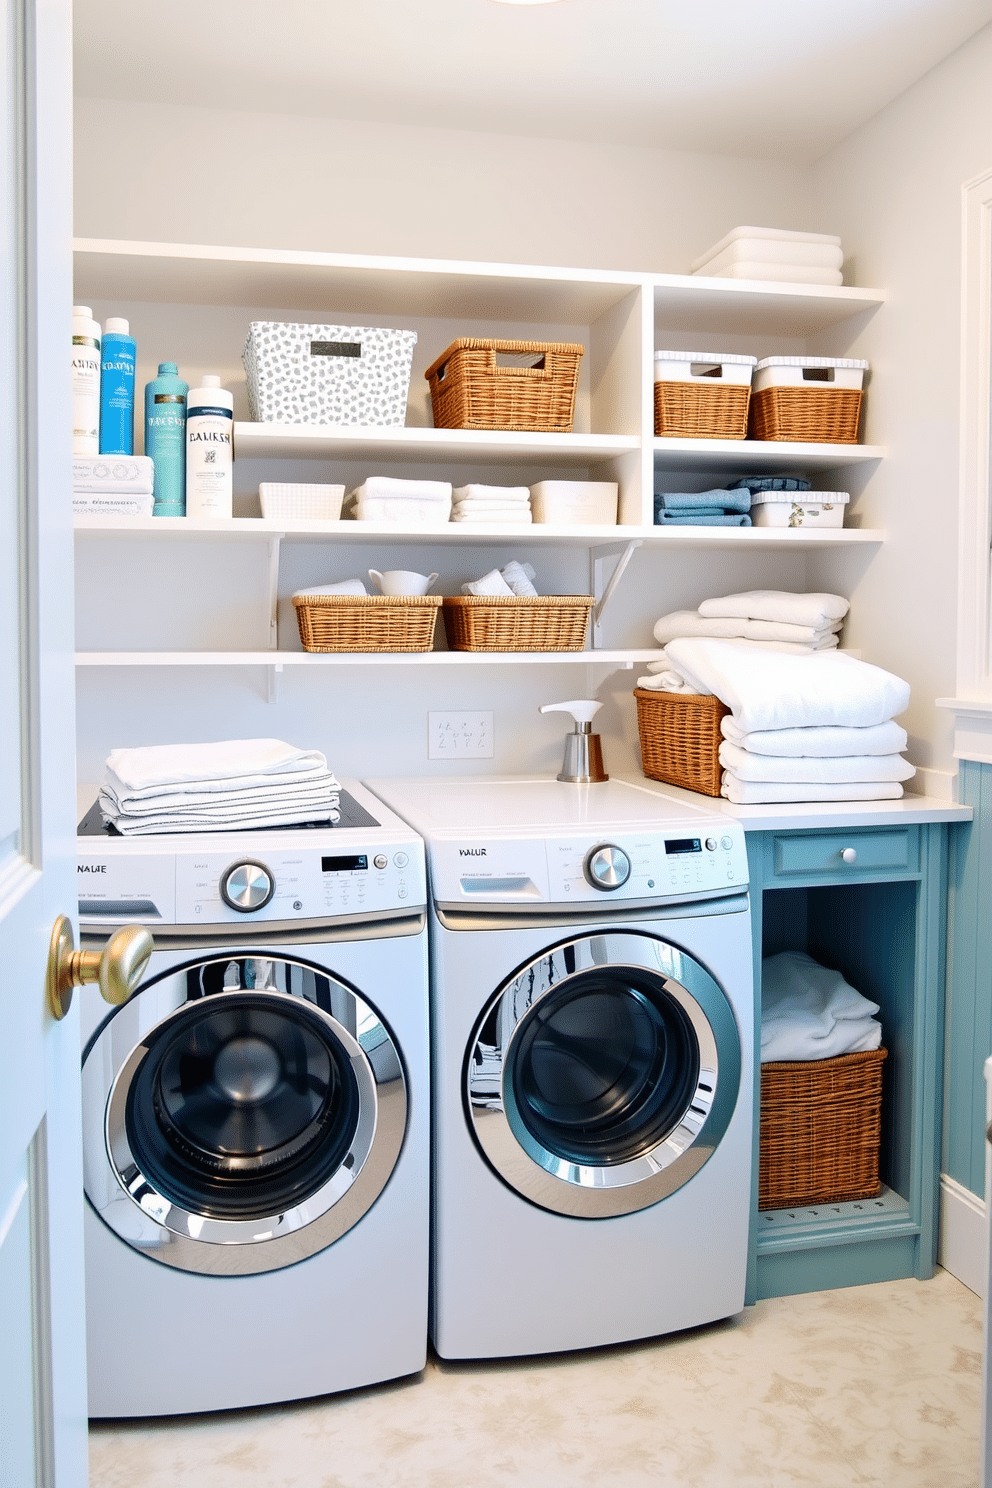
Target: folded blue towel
(718, 500)
(702, 518)
(754, 483)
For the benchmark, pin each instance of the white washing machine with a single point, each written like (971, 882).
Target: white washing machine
(256, 1116)
(592, 1029)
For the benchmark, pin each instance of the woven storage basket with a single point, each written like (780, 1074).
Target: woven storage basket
(680, 738)
(374, 622)
(548, 623)
(809, 414)
(695, 410)
(470, 391)
(821, 1124)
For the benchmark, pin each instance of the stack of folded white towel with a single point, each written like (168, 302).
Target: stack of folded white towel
(384, 498)
(774, 253)
(796, 623)
(500, 505)
(515, 578)
(112, 485)
(810, 1012)
(813, 727)
(220, 787)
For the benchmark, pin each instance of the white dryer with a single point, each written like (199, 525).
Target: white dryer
(592, 1025)
(256, 1116)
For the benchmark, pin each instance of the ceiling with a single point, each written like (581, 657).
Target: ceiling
(781, 79)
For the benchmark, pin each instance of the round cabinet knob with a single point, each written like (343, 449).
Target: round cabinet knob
(850, 855)
(607, 867)
(247, 886)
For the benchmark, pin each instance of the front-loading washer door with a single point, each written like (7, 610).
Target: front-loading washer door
(243, 1114)
(603, 1074)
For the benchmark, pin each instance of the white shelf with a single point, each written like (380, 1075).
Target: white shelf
(279, 659)
(696, 303)
(457, 534)
(753, 456)
(422, 446)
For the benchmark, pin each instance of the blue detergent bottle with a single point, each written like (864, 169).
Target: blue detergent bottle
(117, 388)
(165, 439)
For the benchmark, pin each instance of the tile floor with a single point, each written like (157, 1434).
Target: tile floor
(873, 1385)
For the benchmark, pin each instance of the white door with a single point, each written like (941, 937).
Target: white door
(42, 1371)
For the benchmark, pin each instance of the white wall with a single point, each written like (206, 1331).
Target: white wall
(893, 190)
(273, 181)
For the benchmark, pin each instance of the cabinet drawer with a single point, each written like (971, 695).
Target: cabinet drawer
(894, 849)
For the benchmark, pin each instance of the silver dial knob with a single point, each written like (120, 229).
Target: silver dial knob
(607, 867)
(247, 886)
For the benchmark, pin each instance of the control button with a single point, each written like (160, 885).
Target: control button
(402, 892)
(607, 867)
(247, 886)
(711, 844)
(401, 859)
(380, 860)
(726, 843)
(731, 875)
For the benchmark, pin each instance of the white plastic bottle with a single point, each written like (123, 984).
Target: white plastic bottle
(209, 450)
(85, 382)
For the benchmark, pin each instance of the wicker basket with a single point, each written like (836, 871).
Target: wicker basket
(374, 622)
(469, 390)
(807, 414)
(821, 1124)
(548, 623)
(697, 410)
(680, 738)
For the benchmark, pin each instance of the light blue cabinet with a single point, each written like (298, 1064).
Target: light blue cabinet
(869, 902)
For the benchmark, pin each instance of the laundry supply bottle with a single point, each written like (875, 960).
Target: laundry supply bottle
(85, 382)
(117, 388)
(165, 439)
(583, 762)
(210, 450)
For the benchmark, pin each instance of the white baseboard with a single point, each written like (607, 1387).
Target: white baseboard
(962, 1243)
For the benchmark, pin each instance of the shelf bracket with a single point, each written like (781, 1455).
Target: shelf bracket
(273, 593)
(603, 588)
(274, 671)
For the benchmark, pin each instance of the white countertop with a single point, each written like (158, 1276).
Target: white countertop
(811, 815)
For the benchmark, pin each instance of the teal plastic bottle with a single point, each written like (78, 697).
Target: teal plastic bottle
(117, 389)
(165, 439)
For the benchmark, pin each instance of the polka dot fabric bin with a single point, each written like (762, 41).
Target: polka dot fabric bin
(320, 374)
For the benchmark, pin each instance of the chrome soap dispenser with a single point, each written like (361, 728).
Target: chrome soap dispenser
(583, 762)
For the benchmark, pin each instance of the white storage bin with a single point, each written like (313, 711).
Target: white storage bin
(321, 374)
(587, 503)
(707, 367)
(813, 372)
(798, 508)
(286, 501)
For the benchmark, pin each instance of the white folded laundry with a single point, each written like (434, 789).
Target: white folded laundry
(768, 792)
(492, 584)
(519, 517)
(766, 690)
(403, 512)
(766, 234)
(109, 504)
(818, 743)
(821, 611)
(412, 490)
(778, 272)
(117, 475)
(152, 767)
(490, 506)
(783, 251)
(837, 769)
(520, 577)
(346, 586)
(683, 623)
(315, 789)
(667, 682)
(148, 826)
(491, 493)
(811, 1012)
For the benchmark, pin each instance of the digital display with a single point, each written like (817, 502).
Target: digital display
(683, 845)
(358, 862)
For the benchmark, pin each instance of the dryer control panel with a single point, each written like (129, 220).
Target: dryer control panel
(648, 866)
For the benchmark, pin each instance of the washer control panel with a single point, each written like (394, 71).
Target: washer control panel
(650, 865)
(332, 879)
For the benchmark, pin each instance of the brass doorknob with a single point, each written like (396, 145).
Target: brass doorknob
(118, 967)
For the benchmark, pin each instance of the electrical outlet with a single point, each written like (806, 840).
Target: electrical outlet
(459, 736)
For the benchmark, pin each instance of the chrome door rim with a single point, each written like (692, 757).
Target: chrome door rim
(599, 1191)
(153, 1223)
